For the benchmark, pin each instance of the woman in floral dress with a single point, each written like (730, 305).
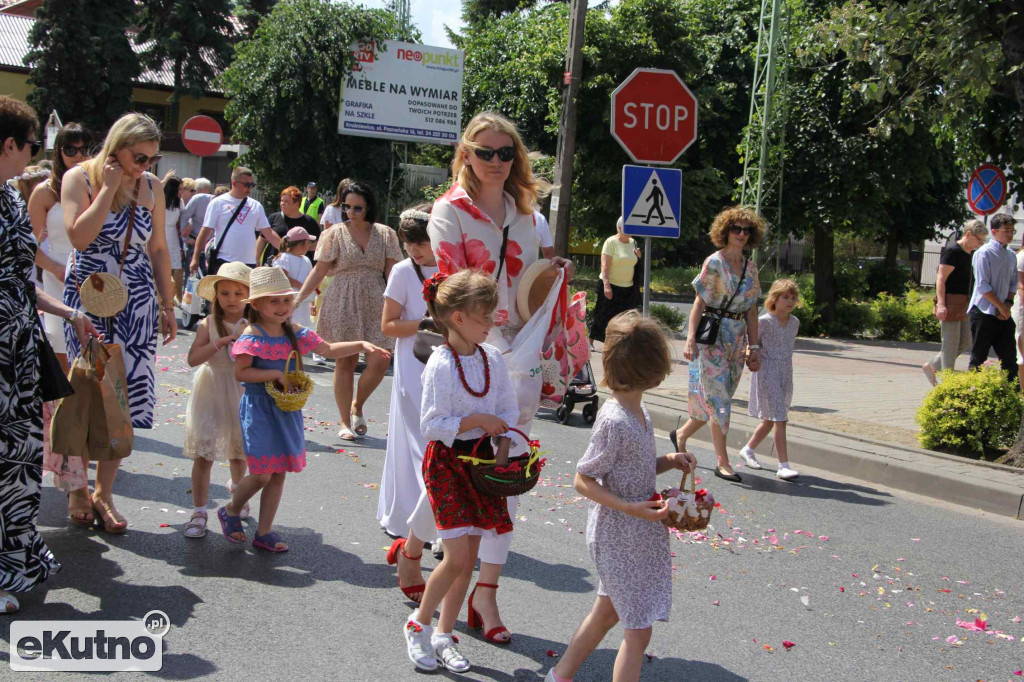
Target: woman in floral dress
(728, 286)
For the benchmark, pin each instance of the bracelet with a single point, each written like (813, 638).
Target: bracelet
(75, 312)
(167, 307)
(754, 346)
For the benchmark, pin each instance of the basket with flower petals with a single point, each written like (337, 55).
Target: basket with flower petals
(688, 510)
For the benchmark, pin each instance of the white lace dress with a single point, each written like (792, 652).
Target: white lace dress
(213, 429)
(771, 388)
(633, 558)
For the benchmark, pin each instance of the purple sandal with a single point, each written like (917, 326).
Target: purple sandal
(230, 524)
(268, 543)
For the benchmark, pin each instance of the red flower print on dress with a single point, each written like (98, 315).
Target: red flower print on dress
(477, 255)
(513, 264)
(460, 199)
(450, 258)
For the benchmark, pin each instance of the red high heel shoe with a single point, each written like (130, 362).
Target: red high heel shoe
(476, 621)
(414, 592)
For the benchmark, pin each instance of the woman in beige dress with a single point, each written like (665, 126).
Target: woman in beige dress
(359, 254)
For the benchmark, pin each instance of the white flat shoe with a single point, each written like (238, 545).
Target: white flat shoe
(750, 458)
(358, 425)
(417, 645)
(786, 474)
(8, 603)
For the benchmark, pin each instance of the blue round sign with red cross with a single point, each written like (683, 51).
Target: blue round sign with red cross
(986, 191)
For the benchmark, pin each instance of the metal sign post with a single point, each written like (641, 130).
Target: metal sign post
(647, 275)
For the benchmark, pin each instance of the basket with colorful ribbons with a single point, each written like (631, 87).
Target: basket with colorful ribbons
(297, 386)
(519, 475)
(688, 510)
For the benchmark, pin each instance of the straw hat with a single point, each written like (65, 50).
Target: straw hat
(232, 272)
(266, 281)
(534, 287)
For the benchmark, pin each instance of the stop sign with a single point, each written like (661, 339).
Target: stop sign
(654, 116)
(202, 135)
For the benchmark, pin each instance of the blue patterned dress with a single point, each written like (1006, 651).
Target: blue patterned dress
(135, 327)
(24, 558)
(273, 439)
(715, 372)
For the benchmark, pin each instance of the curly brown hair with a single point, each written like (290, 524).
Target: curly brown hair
(719, 231)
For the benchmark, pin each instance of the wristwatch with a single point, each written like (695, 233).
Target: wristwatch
(754, 346)
(74, 315)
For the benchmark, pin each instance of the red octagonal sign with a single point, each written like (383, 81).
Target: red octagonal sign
(654, 116)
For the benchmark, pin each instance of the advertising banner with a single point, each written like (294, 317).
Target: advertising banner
(403, 92)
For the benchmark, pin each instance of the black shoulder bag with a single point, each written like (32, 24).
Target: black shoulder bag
(53, 383)
(711, 320)
(427, 337)
(212, 254)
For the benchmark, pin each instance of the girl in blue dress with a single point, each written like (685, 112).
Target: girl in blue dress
(273, 439)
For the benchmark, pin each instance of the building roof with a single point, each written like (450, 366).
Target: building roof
(14, 46)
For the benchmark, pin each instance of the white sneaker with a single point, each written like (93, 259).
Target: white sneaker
(785, 473)
(750, 458)
(447, 655)
(417, 644)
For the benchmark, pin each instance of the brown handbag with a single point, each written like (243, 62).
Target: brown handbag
(956, 307)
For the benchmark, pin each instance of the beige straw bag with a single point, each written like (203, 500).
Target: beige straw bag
(104, 294)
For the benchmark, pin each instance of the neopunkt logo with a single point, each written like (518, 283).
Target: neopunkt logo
(89, 645)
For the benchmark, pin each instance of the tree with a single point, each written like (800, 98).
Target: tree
(283, 87)
(81, 60)
(251, 13)
(190, 37)
(477, 12)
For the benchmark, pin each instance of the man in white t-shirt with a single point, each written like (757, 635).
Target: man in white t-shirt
(239, 242)
(547, 245)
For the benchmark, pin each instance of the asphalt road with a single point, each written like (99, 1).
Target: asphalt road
(867, 583)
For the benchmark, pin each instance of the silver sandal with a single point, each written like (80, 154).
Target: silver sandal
(196, 526)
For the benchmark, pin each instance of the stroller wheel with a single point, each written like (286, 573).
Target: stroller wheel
(190, 321)
(589, 413)
(563, 413)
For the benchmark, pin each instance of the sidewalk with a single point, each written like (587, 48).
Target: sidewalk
(853, 413)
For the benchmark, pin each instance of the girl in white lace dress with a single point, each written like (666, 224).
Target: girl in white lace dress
(618, 473)
(213, 429)
(771, 387)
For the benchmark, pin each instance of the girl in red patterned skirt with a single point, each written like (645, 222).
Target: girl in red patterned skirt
(467, 394)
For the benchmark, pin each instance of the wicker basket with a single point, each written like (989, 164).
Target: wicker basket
(688, 510)
(519, 476)
(103, 294)
(289, 400)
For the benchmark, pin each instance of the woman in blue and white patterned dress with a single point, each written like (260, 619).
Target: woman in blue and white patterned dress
(96, 198)
(25, 560)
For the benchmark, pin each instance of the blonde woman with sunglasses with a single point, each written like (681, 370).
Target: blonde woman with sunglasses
(97, 199)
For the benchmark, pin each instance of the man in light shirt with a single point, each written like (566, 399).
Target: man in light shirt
(995, 281)
(191, 219)
(237, 239)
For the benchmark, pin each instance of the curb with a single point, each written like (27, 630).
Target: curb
(991, 488)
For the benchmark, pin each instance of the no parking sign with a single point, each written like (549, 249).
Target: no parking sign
(986, 190)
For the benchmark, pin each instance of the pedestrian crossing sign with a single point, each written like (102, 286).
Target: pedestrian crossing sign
(651, 201)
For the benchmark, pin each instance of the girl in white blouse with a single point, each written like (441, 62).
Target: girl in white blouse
(467, 394)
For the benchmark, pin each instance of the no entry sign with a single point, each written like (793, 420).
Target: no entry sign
(986, 190)
(202, 135)
(654, 116)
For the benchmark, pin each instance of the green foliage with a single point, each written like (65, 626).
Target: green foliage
(891, 316)
(190, 37)
(905, 318)
(852, 319)
(251, 12)
(283, 88)
(809, 314)
(892, 280)
(668, 316)
(81, 61)
(970, 411)
(851, 280)
(674, 280)
(923, 324)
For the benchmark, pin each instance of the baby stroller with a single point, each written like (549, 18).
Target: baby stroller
(582, 389)
(193, 306)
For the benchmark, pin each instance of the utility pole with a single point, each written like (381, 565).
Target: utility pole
(561, 198)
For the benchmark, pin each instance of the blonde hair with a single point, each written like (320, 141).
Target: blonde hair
(778, 288)
(467, 291)
(636, 355)
(524, 187)
(132, 128)
(189, 184)
(719, 231)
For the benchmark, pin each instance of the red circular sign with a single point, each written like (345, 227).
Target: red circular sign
(986, 190)
(202, 135)
(654, 116)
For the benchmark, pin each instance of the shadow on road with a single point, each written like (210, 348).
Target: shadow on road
(554, 577)
(807, 486)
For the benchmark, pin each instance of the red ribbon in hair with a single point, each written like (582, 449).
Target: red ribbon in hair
(430, 286)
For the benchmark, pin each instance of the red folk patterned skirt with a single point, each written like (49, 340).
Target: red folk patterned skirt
(456, 503)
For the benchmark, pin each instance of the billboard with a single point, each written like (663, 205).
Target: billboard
(403, 91)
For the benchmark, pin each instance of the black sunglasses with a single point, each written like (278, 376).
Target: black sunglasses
(736, 229)
(35, 145)
(347, 208)
(142, 159)
(73, 151)
(248, 185)
(506, 154)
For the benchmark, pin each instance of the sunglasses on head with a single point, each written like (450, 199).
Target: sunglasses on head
(73, 151)
(506, 154)
(142, 159)
(737, 229)
(348, 208)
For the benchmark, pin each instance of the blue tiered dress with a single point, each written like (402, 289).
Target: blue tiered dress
(272, 438)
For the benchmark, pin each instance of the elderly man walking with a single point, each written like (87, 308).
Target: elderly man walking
(995, 281)
(952, 294)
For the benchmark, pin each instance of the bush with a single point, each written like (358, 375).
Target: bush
(971, 411)
(891, 316)
(880, 279)
(851, 280)
(852, 319)
(905, 318)
(809, 313)
(674, 280)
(923, 325)
(668, 316)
